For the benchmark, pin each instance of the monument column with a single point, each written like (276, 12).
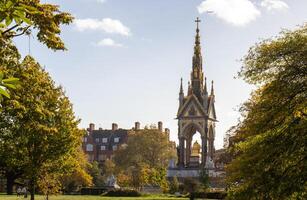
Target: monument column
(188, 151)
(210, 142)
(203, 150)
(210, 152)
(181, 154)
(204, 147)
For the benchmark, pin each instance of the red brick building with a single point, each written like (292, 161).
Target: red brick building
(100, 144)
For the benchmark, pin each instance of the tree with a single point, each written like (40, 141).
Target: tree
(9, 56)
(270, 142)
(96, 172)
(108, 168)
(204, 179)
(144, 158)
(39, 132)
(79, 176)
(67, 176)
(174, 185)
(191, 186)
(18, 16)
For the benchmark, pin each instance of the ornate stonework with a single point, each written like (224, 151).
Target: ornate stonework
(196, 113)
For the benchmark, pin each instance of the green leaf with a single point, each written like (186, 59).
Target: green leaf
(17, 20)
(26, 20)
(4, 93)
(22, 17)
(2, 25)
(9, 4)
(11, 81)
(13, 86)
(8, 20)
(1, 75)
(28, 8)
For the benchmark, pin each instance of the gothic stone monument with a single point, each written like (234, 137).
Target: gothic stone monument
(196, 113)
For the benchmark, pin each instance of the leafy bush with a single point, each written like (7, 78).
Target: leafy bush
(210, 195)
(93, 191)
(122, 193)
(174, 185)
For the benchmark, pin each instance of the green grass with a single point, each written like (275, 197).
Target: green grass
(79, 197)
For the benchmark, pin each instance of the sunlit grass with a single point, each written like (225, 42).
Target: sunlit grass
(79, 197)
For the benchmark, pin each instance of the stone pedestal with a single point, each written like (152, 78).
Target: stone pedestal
(194, 161)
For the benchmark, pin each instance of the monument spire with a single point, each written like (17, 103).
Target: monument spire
(197, 48)
(197, 72)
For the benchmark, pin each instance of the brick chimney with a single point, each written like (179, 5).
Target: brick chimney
(91, 127)
(137, 125)
(114, 126)
(160, 126)
(167, 132)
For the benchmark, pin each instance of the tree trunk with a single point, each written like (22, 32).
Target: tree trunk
(9, 184)
(191, 196)
(32, 189)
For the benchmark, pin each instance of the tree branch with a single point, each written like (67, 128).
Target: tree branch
(9, 29)
(19, 34)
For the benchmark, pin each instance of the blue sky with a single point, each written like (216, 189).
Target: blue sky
(125, 58)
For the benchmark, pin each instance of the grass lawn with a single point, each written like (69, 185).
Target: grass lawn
(79, 197)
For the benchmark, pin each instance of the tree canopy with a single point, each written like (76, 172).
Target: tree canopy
(39, 137)
(270, 160)
(19, 16)
(143, 160)
(39, 132)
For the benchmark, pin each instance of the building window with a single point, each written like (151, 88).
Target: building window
(116, 140)
(85, 139)
(97, 140)
(104, 140)
(114, 147)
(102, 157)
(90, 158)
(103, 148)
(89, 147)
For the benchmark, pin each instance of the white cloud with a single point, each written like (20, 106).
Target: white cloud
(236, 12)
(109, 42)
(271, 5)
(107, 25)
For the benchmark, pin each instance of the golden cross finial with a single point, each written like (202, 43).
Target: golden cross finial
(197, 21)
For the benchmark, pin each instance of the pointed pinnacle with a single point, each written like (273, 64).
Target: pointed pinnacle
(205, 87)
(181, 88)
(212, 88)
